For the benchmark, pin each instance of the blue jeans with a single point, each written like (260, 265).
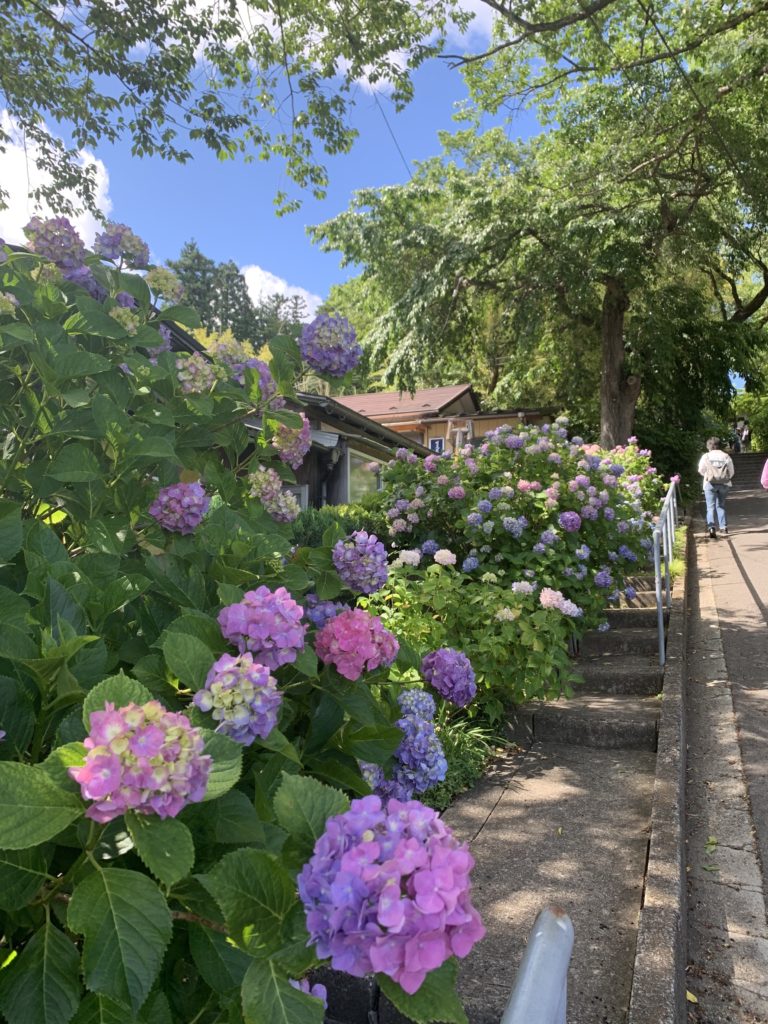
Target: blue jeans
(715, 495)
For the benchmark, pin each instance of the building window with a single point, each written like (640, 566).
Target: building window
(301, 493)
(364, 475)
(437, 445)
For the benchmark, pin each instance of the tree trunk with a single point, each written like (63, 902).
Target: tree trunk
(618, 394)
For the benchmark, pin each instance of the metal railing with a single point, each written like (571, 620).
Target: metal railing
(541, 986)
(663, 548)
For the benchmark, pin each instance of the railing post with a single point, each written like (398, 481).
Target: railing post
(659, 601)
(541, 986)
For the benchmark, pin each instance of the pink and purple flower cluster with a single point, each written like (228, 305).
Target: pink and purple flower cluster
(328, 345)
(267, 487)
(266, 623)
(293, 443)
(361, 562)
(450, 672)
(141, 758)
(549, 598)
(181, 507)
(242, 697)
(195, 373)
(419, 761)
(354, 642)
(388, 890)
(118, 243)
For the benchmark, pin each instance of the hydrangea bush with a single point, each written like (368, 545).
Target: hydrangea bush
(187, 698)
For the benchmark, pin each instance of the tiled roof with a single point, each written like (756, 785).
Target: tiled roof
(390, 403)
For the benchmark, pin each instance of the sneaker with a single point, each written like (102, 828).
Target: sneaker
(712, 532)
(724, 531)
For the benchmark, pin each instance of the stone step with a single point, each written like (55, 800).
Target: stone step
(642, 582)
(642, 599)
(618, 673)
(634, 618)
(607, 721)
(643, 640)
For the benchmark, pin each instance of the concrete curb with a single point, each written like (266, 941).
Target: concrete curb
(658, 983)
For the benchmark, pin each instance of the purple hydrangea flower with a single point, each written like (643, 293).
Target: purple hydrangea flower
(56, 240)
(355, 641)
(266, 623)
(522, 587)
(583, 551)
(180, 508)
(117, 242)
(469, 564)
(419, 761)
(451, 674)
(627, 553)
(474, 519)
(630, 593)
(388, 890)
(195, 373)
(514, 526)
(164, 345)
(456, 493)
(293, 443)
(417, 702)
(570, 521)
(267, 487)
(329, 345)
(242, 697)
(126, 300)
(361, 562)
(317, 991)
(319, 612)
(429, 547)
(603, 579)
(141, 758)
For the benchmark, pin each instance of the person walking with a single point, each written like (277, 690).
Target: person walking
(716, 469)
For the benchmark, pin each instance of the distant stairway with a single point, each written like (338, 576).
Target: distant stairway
(747, 469)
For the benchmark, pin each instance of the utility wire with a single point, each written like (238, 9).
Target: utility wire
(394, 137)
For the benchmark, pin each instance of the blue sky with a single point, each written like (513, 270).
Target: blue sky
(228, 207)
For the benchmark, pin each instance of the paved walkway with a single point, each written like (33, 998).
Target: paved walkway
(727, 795)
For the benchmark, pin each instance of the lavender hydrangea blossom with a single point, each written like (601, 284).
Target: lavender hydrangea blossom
(267, 487)
(293, 443)
(388, 890)
(266, 623)
(319, 612)
(329, 345)
(361, 562)
(570, 521)
(181, 507)
(56, 240)
(141, 758)
(419, 761)
(242, 697)
(117, 242)
(450, 672)
(316, 991)
(195, 373)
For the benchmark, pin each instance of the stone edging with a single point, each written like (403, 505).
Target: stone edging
(658, 982)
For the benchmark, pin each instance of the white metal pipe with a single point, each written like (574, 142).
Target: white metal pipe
(541, 986)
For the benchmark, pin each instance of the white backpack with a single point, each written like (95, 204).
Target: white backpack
(718, 469)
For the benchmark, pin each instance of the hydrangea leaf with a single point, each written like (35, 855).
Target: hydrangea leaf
(58, 762)
(269, 998)
(188, 658)
(33, 809)
(75, 362)
(435, 1000)
(280, 744)
(97, 1009)
(303, 805)
(164, 845)
(75, 464)
(234, 820)
(22, 872)
(327, 584)
(11, 532)
(184, 315)
(127, 925)
(118, 690)
(372, 743)
(221, 965)
(227, 764)
(42, 986)
(256, 895)
(17, 714)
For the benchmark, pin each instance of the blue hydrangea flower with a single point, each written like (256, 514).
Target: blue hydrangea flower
(469, 564)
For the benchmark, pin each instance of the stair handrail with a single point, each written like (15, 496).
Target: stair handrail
(541, 986)
(663, 549)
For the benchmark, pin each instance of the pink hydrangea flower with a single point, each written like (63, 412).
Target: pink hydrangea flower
(355, 641)
(181, 507)
(267, 487)
(388, 890)
(141, 758)
(293, 443)
(267, 624)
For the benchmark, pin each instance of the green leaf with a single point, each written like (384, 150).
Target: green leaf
(58, 762)
(17, 716)
(303, 805)
(157, 447)
(327, 718)
(327, 585)
(97, 321)
(181, 315)
(372, 742)
(188, 658)
(355, 697)
(127, 925)
(74, 363)
(75, 464)
(306, 662)
(16, 645)
(227, 764)
(221, 965)
(234, 820)
(256, 895)
(32, 808)
(118, 690)
(280, 744)
(269, 998)
(22, 872)
(436, 999)
(42, 986)
(96, 1009)
(164, 845)
(11, 532)
(201, 626)
(61, 604)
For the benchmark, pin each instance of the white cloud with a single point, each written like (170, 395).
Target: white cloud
(261, 283)
(20, 176)
(482, 23)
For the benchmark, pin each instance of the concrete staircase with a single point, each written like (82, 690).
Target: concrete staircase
(747, 469)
